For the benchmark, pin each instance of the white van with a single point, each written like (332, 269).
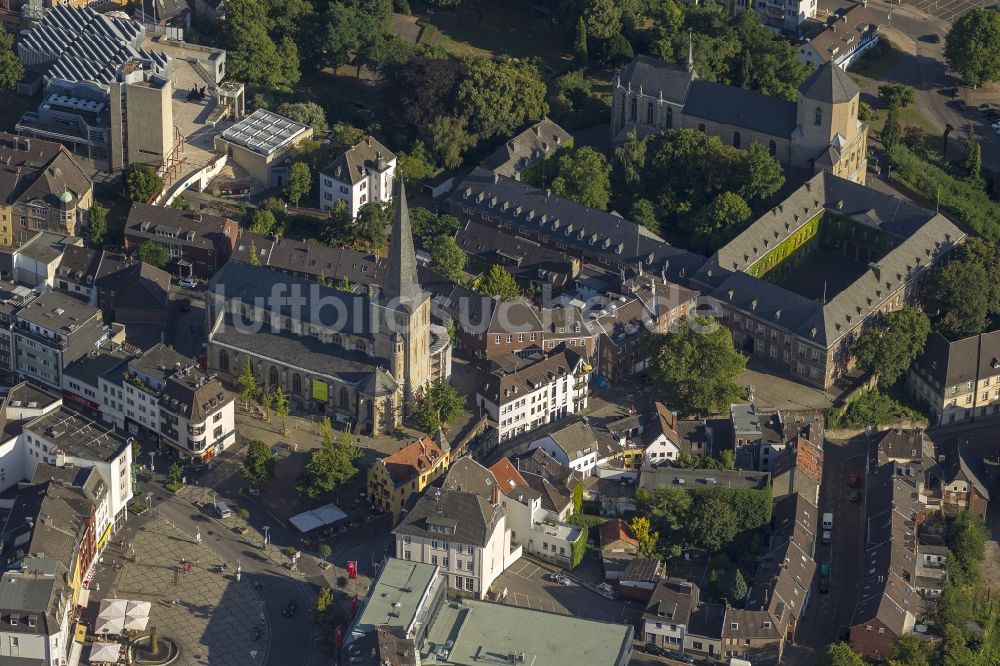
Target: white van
(827, 521)
(222, 510)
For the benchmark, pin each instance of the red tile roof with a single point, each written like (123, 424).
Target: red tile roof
(412, 460)
(507, 475)
(616, 530)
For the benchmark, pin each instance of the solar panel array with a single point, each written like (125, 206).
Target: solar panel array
(263, 132)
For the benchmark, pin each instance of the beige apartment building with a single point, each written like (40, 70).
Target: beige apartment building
(959, 381)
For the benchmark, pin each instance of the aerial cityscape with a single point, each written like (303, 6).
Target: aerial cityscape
(541, 332)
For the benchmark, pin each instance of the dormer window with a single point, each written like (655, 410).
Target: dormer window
(819, 116)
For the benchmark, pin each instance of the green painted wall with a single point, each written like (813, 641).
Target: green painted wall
(803, 239)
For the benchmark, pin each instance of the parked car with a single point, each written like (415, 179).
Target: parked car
(606, 590)
(824, 585)
(934, 38)
(855, 496)
(854, 480)
(234, 190)
(983, 108)
(290, 609)
(826, 536)
(654, 649)
(679, 656)
(189, 283)
(563, 579)
(824, 570)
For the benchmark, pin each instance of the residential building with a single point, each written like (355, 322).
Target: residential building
(362, 174)
(35, 603)
(524, 393)
(81, 380)
(523, 155)
(958, 381)
(618, 547)
(63, 437)
(787, 16)
(555, 481)
(51, 332)
(395, 479)
(132, 292)
(12, 298)
(820, 131)
(172, 14)
(800, 283)
(167, 396)
(199, 244)
(915, 455)
(464, 534)
(36, 262)
(798, 470)
(314, 261)
(572, 444)
(932, 570)
(887, 605)
(358, 360)
(963, 486)
(640, 578)
(406, 619)
(668, 613)
(77, 271)
(258, 143)
(530, 262)
(42, 188)
(848, 35)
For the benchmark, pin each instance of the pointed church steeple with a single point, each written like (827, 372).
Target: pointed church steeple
(401, 270)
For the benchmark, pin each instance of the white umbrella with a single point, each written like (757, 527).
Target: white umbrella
(112, 608)
(136, 623)
(106, 652)
(137, 609)
(114, 625)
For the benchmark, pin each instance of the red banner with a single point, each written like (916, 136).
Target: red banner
(340, 637)
(352, 569)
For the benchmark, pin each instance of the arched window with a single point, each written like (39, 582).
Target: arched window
(623, 110)
(701, 127)
(736, 139)
(650, 110)
(360, 346)
(345, 399)
(772, 148)
(670, 117)
(819, 116)
(296, 384)
(272, 376)
(266, 317)
(337, 340)
(635, 108)
(223, 360)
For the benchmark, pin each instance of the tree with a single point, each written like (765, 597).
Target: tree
(644, 213)
(330, 465)
(326, 615)
(97, 225)
(764, 175)
(500, 96)
(345, 136)
(712, 524)
(580, 43)
(281, 408)
(584, 175)
(11, 69)
(644, 534)
(630, 158)
(497, 283)
(449, 140)
(895, 96)
(420, 91)
(955, 297)
(175, 474)
(418, 164)
(721, 219)
(578, 499)
(954, 606)
(619, 51)
(252, 55)
(325, 551)
(447, 258)
(888, 347)
(153, 253)
(247, 384)
(307, 113)
(913, 136)
(967, 536)
(299, 182)
(954, 647)
(141, 183)
(371, 226)
(972, 46)
(263, 222)
(910, 651)
(440, 406)
(891, 131)
(727, 460)
(696, 366)
(738, 590)
(253, 257)
(428, 226)
(338, 229)
(668, 506)
(840, 654)
(973, 161)
(603, 19)
(371, 48)
(258, 464)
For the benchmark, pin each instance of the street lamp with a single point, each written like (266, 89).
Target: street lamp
(197, 535)
(152, 467)
(149, 501)
(239, 571)
(267, 529)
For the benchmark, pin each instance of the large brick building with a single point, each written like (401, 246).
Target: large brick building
(199, 244)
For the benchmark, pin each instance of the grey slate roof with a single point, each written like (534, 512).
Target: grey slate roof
(656, 477)
(401, 269)
(655, 77)
(352, 165)
(35, 169)
(962, 462)
(90, 367)
(951, 363)
(531, 145)
(831, 84)
(748, 109)
(467, 475)
(316, 259)
(471, 517)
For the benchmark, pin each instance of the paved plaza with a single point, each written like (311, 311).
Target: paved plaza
(213, 617)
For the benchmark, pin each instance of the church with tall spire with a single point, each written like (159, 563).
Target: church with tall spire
(356, 356)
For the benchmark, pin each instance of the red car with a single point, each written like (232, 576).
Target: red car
(853, 480)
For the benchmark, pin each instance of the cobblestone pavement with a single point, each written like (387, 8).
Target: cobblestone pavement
(214, 617)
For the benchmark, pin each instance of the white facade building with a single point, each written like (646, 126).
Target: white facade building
(573, 446)
(362, 174)
(35, 606)
(535, 391)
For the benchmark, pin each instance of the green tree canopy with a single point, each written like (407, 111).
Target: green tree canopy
(892, 131)
(97, 225)
(307, 113)
(895, 96)
(499, 96)
(11, 69)
(420, 91)
(247, 384)
(330, 465)
(580, 42)
(371, 224)
(153, 253)
(712, 524)
(262, 222)
(258, 462)
(911, 651)
(498, 283)
(252, 55)
(417, 164)
(142, 183)
(954, 647)
(738, 590)
(299, 182)
(440, 406)
(644, 534)
(973, 161)
(175, 473)
(889, 346)
(967, 536)
(958, 307)
(583, 175)
(427, 226)
(603, 19)
(763, 174)
(972, 46)
(644, 213)
(447, 258)
(696, 366)
(720, 220)
(840, 654)
(448, 140)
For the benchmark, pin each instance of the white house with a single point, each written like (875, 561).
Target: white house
(360, 175)
(461, 532)
(669, 612)
(525, 393)
(35, 604)
(848, 35)
(572, 445)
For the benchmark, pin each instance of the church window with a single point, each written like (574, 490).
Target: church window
(772, 148)
(736, 139)
(223, 360)
(670, 117)
(623, 110)
(819, 116)
(296, 383)
(701, 127)
(272, 376)
(345, 400)
(337, 340)
(635, 108)
(649, 113)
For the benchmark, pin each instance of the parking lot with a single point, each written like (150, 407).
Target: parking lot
(949, 10)
(525, 585)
